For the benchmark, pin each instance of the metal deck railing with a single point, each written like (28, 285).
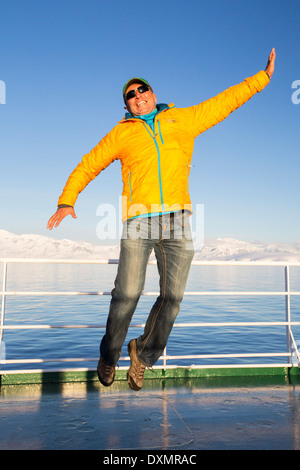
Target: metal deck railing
(291, 353)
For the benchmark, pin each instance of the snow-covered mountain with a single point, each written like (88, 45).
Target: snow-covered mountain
(224, 249)
(230, 249)
(38, 246)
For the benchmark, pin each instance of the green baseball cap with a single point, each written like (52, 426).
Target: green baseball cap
(135, 80)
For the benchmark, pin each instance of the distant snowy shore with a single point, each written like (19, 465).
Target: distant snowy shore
(222, 249)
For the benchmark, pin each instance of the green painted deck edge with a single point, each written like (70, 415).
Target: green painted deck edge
(156, 374)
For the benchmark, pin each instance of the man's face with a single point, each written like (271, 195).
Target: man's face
(141, 103)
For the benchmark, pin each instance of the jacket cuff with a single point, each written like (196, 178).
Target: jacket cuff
(259, 80)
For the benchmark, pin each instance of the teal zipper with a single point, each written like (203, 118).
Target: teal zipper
(158, 161)
(161, 108)
(160, 132)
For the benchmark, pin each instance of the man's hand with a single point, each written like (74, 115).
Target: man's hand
(271, 63)
(59, 215)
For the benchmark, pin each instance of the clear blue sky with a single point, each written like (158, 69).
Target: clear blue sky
(64, 63)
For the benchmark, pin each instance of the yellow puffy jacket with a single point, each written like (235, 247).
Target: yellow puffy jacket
(156, 166)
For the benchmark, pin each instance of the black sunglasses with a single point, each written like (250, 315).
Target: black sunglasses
(141, 89)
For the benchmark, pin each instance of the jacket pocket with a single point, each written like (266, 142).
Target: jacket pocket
(129, 183)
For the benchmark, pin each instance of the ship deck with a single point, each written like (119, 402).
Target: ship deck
(254, 412)
(251, 406)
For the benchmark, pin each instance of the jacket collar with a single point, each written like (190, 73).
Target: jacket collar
(160, 107)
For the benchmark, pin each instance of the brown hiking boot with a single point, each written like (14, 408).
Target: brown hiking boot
(106, 373)
(135, 374)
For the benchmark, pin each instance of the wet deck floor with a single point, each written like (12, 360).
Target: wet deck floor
(198, 415)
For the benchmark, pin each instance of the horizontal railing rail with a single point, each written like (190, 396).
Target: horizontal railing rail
(291, 354)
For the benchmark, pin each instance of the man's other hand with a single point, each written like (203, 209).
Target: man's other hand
(59, 215)
(271, 63)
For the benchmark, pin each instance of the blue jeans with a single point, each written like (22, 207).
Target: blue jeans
(170, 237)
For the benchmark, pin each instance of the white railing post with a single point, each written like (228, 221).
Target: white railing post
(164, 358)
(288, 311)
(2, 345)
(3, 298)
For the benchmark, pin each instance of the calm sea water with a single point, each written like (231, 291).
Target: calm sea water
(92, 310)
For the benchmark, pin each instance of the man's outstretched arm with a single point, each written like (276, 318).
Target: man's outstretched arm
(214, 110)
